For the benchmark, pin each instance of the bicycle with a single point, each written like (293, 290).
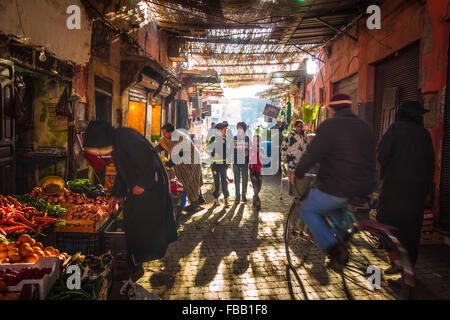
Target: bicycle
(372, 247)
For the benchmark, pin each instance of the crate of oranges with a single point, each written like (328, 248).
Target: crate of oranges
(28, 250)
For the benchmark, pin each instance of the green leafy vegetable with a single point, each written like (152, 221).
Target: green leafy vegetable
(81, 186)
(40, 204)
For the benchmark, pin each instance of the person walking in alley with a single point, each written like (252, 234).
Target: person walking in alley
(292, 149)
(344, 147)
(241, 161)
(280, 128)
(188, 172)
(255, 170)
(142, 182)
(406, 159)
(217, 148)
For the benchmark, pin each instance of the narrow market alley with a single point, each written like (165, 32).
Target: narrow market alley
(122, 120)
(237, 253)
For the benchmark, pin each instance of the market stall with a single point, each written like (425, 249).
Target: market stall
(57, 225)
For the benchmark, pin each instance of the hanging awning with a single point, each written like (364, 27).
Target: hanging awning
(203, 80)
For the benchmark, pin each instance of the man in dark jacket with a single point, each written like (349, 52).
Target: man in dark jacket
(344, 148)
(217, 148)
(141, 179)
(406, 159)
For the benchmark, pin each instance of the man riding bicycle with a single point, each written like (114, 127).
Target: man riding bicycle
(344, 148)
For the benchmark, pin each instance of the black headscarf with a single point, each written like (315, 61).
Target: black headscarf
(99, 134)
(411, 111)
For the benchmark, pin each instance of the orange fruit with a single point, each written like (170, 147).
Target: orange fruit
(39, 244)
(51, 249)
(26, 251)
(15, 258)
(39, 253)
(3, 254)
(13, 252)
(24, 238)
(3, 246)
(12, 245)
(4, 260)
(48, 253)
(32, 258)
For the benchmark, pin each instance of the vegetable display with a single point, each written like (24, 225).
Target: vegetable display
(27, 250)
(19, 218)
(40, 204)
(68, 198)
(81, 186)
(86, 212)
(94, 271)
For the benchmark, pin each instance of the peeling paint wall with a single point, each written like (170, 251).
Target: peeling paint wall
(44, 22)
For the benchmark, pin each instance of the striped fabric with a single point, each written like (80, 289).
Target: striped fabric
(190, 175)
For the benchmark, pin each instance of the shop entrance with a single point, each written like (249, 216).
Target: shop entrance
(137, 107)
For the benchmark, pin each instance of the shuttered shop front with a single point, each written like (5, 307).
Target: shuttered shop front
(396, 81)
(445, 164)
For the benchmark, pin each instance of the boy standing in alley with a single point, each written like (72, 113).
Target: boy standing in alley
(216, 147)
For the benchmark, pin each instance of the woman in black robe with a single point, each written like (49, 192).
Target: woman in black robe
(406, 159)
(142, 182)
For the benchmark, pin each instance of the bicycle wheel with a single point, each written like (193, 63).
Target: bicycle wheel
(297, 238)
(370, 249)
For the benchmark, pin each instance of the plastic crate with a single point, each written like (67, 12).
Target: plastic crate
(45, 284)
(73, 242)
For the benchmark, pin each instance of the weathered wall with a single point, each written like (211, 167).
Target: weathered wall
(155, 42)
(44, 22)
(403, 22)
(112, 72)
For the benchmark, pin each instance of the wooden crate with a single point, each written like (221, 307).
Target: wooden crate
(80, 226)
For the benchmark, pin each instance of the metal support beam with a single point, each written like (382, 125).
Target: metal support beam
(241, 53)
(231, 41)
(287, 36)
(309, 53)
(244, 74)
(242, 65)
(336, 29)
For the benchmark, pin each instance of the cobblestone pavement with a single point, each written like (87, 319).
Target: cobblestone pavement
(238, 253)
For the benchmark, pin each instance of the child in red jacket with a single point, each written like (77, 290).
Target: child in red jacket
(255, 169)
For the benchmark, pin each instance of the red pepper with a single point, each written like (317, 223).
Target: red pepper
(10, 230)
(14, 201)
(40, 219)
(24, 220)
(2, 232)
